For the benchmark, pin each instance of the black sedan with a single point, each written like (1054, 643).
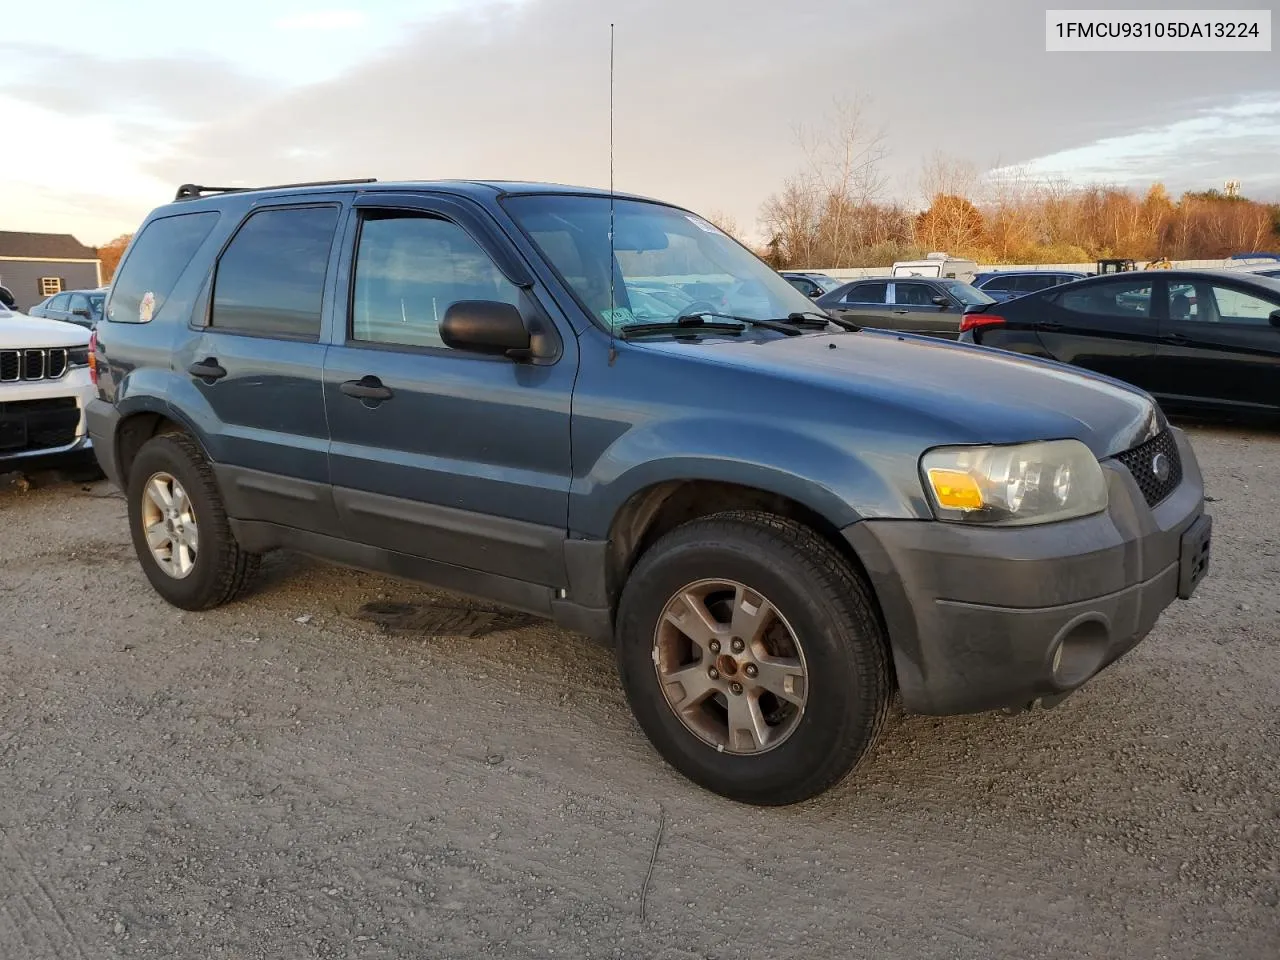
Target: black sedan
(1195, 339)
(930, 306)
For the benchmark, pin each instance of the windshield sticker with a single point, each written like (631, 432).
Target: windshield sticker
(146, 307)
(701, 224)
(617, 317)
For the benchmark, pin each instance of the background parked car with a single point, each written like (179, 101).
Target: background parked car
(1195, 339)
(919, 305)
(937, 265)
(812, 285)
(1007, 284)
(83, 307)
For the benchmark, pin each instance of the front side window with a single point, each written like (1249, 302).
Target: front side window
(680, 261)
(913, 294)
(1115, 298)
(270, 279)
(1236, 306)
(410, 269)
(154, 263)
(1000, 284)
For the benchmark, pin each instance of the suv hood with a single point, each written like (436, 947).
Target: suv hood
(18, 331)
(982, 395)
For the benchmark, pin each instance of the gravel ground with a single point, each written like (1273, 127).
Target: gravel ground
(312, 773)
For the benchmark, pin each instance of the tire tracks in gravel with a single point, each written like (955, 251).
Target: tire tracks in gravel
(32, 913)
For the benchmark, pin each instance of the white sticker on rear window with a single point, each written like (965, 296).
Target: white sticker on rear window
(146, 307)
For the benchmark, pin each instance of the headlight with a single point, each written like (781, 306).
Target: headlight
(77, 356)
(1026, 483)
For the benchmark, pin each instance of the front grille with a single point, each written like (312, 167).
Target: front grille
(27, 425)
(37, 363)
(1142, 462)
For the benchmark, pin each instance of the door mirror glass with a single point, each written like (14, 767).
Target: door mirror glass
(486, 326)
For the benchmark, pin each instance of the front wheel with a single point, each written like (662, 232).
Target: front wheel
(753, 658)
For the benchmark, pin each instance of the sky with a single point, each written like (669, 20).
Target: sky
(106, 108)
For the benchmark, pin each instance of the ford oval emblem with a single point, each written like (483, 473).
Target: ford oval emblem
(1160, 466)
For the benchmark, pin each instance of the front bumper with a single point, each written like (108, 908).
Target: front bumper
(21, 401)
(983, 618)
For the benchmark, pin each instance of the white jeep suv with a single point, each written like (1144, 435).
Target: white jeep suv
(44, 387)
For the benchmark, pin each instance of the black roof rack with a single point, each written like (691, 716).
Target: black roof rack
(193, 191)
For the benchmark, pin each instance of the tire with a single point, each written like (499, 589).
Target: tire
(220, 569)
(819, 601)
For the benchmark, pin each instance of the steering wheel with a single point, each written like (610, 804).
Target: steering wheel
(696, 307)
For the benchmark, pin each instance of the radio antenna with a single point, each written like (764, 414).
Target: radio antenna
(613, 263)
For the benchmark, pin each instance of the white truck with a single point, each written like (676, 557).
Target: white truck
(937, 265)
(44, 389)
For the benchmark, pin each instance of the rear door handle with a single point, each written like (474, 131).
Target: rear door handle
(900, 311)
(207, 370)
(1175, 338)
(367, 387)
(1050, 326)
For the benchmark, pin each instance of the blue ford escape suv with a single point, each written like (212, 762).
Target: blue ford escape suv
(602, 410)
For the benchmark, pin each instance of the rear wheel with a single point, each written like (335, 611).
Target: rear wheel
(180, 528)
(752, 657)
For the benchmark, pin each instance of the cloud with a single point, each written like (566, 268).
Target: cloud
(169, 91)
(705, 114)
(707, 99)
(1243, 135)
(322, 20)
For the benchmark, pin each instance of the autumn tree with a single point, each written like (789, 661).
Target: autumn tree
(110, 255)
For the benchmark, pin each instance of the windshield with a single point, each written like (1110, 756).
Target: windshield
(968, 295)
(667, 262)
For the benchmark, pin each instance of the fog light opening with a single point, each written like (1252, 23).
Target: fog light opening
(1079, 652)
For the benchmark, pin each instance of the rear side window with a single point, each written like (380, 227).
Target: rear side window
(1000, 283)
(1115, 298)
(270, 279)
(154, 263)
(867, 293)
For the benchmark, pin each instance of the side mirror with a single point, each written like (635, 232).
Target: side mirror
(486, 326)
(1275, 318)
(82, 312)
(941, 301)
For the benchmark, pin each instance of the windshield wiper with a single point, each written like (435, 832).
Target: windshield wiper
(781, 326)
(688, 325)
(801, 315)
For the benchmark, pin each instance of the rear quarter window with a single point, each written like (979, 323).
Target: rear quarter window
(154, 263)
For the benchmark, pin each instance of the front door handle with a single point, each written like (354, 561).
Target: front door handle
(1050, 326)
(900, 311)
(207, 370)
(367, 387)
(1175, 338)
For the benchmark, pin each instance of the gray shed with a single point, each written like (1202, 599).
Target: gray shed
(37, 265)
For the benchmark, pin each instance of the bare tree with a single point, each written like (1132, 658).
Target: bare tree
(726, 222)
(827, 210)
